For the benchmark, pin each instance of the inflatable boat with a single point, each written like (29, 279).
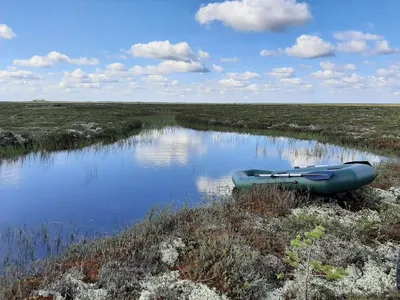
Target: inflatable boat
(322, 180)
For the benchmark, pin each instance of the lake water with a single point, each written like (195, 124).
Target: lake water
(104, 186)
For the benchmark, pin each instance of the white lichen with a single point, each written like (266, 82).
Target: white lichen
(390, 195)
(169, 251)
(333, 212)
(155, 286)
(79, 289)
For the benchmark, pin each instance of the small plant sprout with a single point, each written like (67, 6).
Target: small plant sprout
(300, 259)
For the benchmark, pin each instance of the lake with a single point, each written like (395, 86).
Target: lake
(100, 187)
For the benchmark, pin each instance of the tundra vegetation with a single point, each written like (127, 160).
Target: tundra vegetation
(264, 243)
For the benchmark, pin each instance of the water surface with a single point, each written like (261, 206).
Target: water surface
(101, 186)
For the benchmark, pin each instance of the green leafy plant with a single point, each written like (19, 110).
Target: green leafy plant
(302, 260)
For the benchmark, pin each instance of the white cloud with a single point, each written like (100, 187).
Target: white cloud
(327, 65)
(18, 74)
(243, 76)
(256, 15)
(354, 46)
(118, 67)
(353, 78)
(392, 71)
(231, 83)
(332, 71)
(310, 46)
(369, 62)
(155, 79)
(266, 52)
(397, 93)
(346, 82)
(164, 50)
(356, 35)
(282, 72)
(102, 78)
(292, 81)
(218, 68)
(350, 67)
(171, 66)
(327, 74)
(54, 56)
(204, 55)
(383, 47)
(34, 61)
(230, 59)
(6, 32)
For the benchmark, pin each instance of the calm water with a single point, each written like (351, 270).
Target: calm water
(101, 186)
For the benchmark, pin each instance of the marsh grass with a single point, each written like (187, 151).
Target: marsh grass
(235, 244)
(34, 126)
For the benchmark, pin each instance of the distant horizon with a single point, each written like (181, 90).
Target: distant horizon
(216, 51)
(204, 103)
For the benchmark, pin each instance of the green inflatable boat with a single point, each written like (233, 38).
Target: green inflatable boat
(323, 180)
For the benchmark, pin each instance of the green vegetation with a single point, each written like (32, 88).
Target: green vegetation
(303, 259)
(32, 126)
(237, 247)
(245, 246)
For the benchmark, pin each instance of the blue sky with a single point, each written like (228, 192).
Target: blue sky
(101, 50)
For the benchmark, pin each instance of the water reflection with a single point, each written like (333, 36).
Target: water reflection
(101, 185)
(215, 186)
(167, 147)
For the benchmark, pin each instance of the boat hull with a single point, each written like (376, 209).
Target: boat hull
(345, 177)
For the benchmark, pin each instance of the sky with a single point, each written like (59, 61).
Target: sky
(251, 51)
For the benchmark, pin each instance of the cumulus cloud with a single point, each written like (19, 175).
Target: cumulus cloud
(392, 71)
(310, 46)
(266, 52)
(327, 74)
(6, 32)
(338, 76)
(355, 46)
(204, 55)
(118, 67)
(383, 47)
(231, 83)
(230, 59)
(171, 66)
(282, 72)
(356, 35)
(369, 62)
(164, 50)
(159, 80)
(218, 68)
(243, 76)
(293, 81)
(35, 61)
(356, 42)
(54, 56)
(327, 65)
(256, 15)
(18, 74)
(155, 78)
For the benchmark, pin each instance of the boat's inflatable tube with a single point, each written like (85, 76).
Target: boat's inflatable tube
(323, 180)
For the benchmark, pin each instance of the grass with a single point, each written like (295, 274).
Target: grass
(33, 126)
(235, 245)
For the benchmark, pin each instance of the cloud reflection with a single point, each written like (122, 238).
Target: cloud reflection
(168, 146)
(215, 186)
(10, 172)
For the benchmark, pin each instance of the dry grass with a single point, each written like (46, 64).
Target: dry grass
(235, 245)
(33, 126)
